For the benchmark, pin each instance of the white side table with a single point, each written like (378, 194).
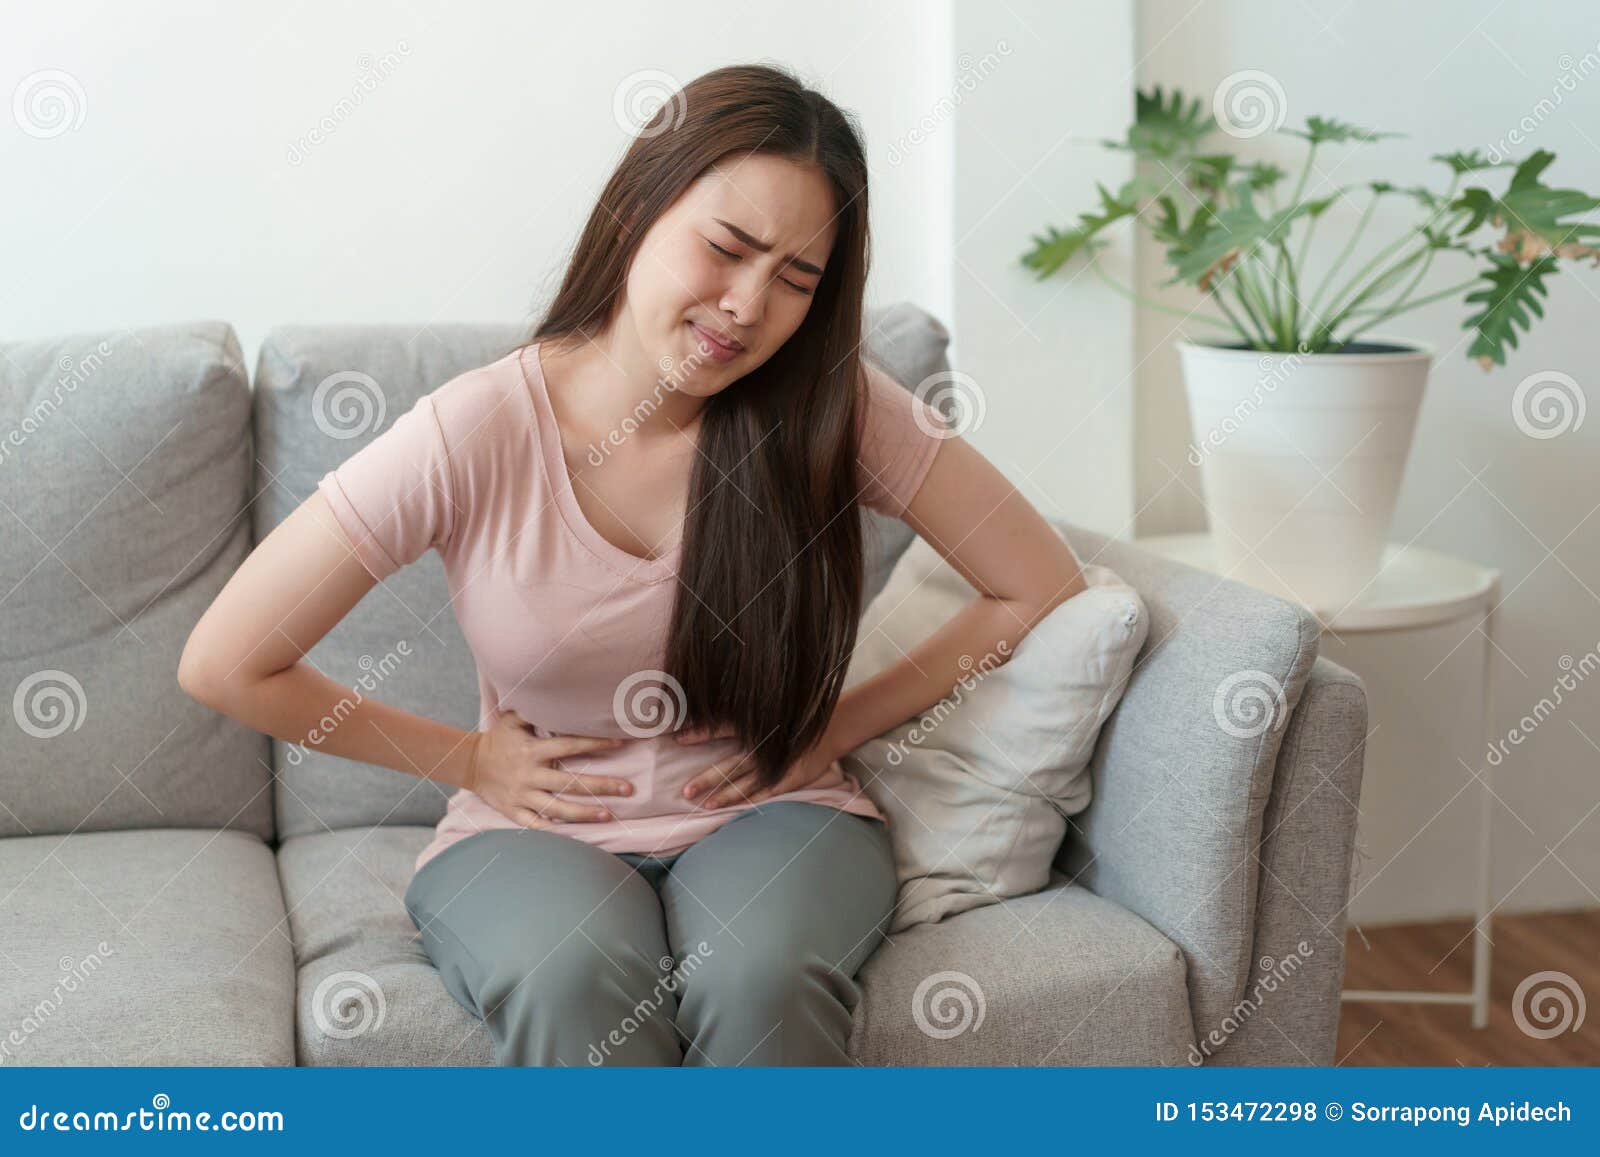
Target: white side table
(1414, 588)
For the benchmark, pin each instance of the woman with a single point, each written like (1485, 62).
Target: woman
(656, 496)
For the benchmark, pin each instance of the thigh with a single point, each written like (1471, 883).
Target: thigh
(517, 913)
(787, 880)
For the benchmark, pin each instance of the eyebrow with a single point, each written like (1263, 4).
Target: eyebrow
(766, 247)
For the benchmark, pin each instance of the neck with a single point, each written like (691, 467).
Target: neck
(618, 386)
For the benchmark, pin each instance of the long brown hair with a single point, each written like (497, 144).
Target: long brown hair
(768, 600)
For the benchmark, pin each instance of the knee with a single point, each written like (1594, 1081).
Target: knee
(768, 982)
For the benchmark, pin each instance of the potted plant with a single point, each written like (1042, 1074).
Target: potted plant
(1302, 415)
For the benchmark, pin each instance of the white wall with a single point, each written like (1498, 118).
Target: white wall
(450, 192)
(1452, 76)
(267, 163)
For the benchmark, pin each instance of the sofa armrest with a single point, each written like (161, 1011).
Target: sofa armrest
(1184, 768)
(1289, 1014)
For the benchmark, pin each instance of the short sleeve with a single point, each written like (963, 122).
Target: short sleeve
(393, 497)
(900, 434)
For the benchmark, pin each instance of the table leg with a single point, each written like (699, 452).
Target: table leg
(1481, 942)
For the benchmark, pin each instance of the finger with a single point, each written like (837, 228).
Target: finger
(557, 779)
(719, 773)
(550, 807)
(558, 745)
(736, 790)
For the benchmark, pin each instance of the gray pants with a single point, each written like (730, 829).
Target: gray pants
(740, 950)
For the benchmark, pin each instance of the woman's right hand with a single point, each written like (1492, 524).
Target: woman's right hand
(514, 772)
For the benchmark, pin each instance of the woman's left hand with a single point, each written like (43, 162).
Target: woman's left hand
(734, 778)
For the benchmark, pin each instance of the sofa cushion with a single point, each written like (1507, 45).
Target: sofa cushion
(324, 392)
(1061, 977)
(1065, 977)
(159, 947)
(367, 992)
(124, 493)
(977, 788)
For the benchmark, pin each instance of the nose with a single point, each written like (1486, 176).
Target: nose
(746, 298)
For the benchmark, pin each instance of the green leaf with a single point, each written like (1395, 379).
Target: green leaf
(1511, 294)
(1326, 130)
(1164, 125)
(1226, 236)
(1053, 250)
(1428, 197)
(1531, 213)
(1471, 162)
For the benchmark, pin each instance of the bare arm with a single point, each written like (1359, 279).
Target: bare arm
(244, 657)
(983, 526)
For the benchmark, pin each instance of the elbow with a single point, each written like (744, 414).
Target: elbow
(198, 677)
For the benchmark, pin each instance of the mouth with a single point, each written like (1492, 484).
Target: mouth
(720, 347)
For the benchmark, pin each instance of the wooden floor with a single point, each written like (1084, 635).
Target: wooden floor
(1401, 956)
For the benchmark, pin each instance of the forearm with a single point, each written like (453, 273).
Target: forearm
(979, 638)
(301, 705)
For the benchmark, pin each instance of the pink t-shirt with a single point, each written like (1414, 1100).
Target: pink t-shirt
(560, 621)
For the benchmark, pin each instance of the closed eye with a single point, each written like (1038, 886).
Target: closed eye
(736, 257)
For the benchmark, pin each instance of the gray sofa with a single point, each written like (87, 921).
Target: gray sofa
(178, 889)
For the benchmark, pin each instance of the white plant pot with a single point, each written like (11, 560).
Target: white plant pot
(1301, 456)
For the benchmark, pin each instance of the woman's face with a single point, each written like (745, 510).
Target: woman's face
(738, 257)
